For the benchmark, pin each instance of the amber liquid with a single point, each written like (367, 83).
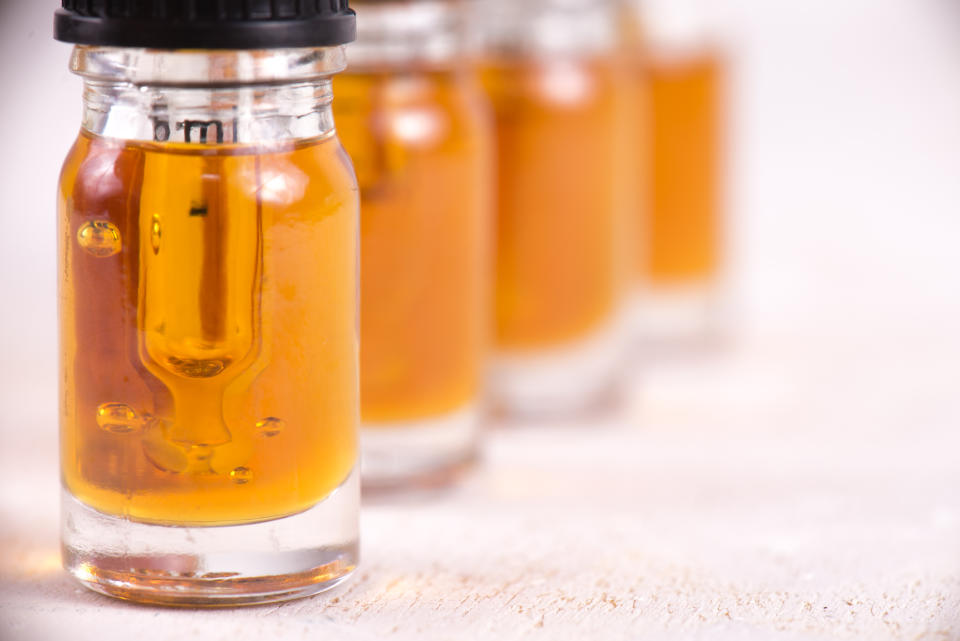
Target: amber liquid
(558, 204)
(418, 143)
(209, 350)
(681, 234)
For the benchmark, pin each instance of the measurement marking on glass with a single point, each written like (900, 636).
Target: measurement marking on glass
(189, 126)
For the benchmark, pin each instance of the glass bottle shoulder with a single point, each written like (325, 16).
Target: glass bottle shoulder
(414, 107)
(308, 171)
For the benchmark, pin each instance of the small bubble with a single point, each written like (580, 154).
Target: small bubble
(241, 475)
(270, 426)
(198, 368)
(230, 456)
(155, 233)
(99, 237)
(118, 418)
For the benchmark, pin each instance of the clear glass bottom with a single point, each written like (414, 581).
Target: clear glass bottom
(276, 560)
(424, 453)
(676, 318)
(563, 381)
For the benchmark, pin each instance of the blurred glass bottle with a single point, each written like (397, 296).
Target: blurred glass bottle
(554, 72)
(414, 119)
(680, 235)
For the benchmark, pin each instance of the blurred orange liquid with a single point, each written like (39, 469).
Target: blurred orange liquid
(681, 236)
(558, 270)
(420, 145)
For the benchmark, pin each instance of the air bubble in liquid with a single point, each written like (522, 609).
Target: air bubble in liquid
(155, 233)
(270, 426)
(241, 475)
(99, 237)
(118, 418)
(198, 368)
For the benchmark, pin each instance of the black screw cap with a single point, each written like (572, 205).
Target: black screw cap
(205, 24)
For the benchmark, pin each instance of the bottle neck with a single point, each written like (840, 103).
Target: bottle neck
(547, 29)
(207, 97)
(678, 29)
(399, 35)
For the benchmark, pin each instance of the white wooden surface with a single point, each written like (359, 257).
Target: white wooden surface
(733, 498)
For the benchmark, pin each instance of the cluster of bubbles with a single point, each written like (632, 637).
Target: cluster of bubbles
(101, 238)
(120, 418)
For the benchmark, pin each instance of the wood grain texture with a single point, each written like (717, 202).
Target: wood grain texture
(765, 491)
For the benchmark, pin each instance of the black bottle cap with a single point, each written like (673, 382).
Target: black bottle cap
(205, 24)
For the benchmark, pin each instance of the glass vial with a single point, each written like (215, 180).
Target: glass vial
(208, 250)
(553, 70)
(680, 235)
(414, 120)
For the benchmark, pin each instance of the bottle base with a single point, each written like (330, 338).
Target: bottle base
(420, 454)
(676, 318)
(562, 381)
(226, 566)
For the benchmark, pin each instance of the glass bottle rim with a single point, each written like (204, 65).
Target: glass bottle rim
(206, 68)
